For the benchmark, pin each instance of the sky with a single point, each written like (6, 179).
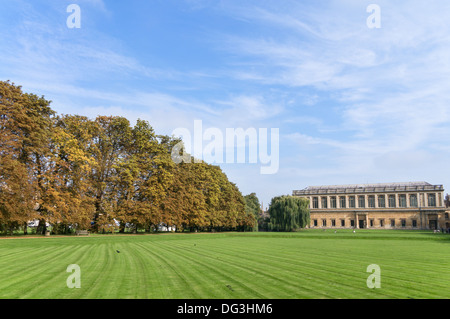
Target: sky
(352, 103)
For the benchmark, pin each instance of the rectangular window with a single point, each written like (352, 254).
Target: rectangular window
(403, 222)
(324, 202)
(315, 222)
(371, 222)
(414, 223)
(371, 201)
(413, 200)
(352, 223)
(351, 201)
(431, 200)
(333, 223)
(402, 200)
(333, 202)
(381, 222)
(392, 222)
(342, 203)
(324, 222)
(381, 201)
(391, 201)
(315, 202)
(342, 222)
(446, 215)
(361, 202)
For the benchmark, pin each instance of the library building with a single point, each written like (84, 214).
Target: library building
(412, 205)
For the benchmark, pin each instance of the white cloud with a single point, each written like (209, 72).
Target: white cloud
(351, 102)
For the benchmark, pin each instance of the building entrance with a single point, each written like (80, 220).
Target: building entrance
(433, 224)
(361, 223)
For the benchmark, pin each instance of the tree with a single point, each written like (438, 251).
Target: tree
(288, 213)
(71, 165)
(142, 178)
(253, 207)
(26, 131)
(110, 146)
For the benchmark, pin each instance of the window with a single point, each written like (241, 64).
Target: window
(351, 201)
(402, 200)
(333, 223)
(392, 222)
(352, 223)
(342, 222)
(391, 201)
(324, 222)
(381, 222)
(371, 222)
(431, 200)
(381, 201)
(324, 202)
(403, 222)
(371, 201)
(414, 223)
(446, 215)
(413, 200)
(315, 222)
(361, 201)
(333, 202)
(315, 202)
(342, 203)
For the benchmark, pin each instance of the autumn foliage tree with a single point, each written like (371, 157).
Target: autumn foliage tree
(26, 130)
(72, 172)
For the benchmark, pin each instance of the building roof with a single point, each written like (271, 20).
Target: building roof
(368, 188)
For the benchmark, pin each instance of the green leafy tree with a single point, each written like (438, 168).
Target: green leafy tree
(253, 207)
(288, 213)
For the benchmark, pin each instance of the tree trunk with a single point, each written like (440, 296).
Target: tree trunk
(43, 226)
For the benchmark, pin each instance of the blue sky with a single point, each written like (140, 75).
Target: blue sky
(352, 104)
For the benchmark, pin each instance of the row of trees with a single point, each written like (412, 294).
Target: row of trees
(76, 173)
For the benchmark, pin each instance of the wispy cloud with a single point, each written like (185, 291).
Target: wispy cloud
(353, 104)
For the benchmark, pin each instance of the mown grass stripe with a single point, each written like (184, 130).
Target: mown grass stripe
(54, 278)
(26, 273)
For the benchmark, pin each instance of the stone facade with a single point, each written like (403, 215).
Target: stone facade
(417, 205)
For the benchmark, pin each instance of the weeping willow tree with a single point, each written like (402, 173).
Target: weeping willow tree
(288, 213)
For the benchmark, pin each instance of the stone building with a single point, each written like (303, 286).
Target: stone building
(413, 205)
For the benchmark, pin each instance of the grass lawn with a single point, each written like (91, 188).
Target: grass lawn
(308, 264)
